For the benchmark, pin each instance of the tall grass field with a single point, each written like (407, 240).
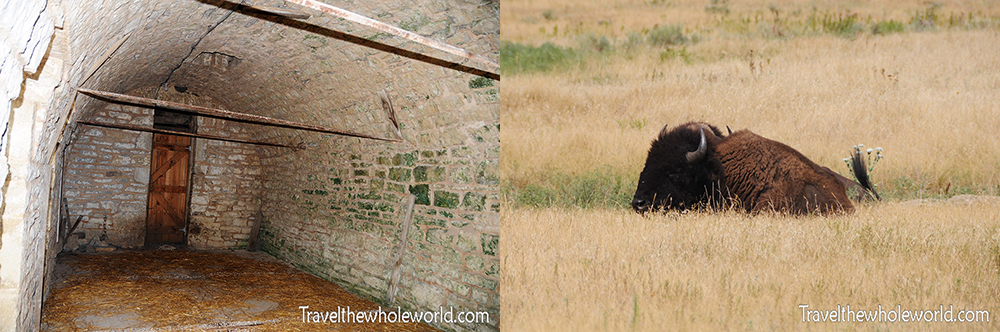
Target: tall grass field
(587, 85)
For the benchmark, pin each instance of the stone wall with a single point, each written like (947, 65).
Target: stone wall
(26, 150)
(337, 210)
(320, 71)
(106, 178)
(225, 194)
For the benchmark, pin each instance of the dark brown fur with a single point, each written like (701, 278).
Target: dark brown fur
(762, 174)
(742, 169)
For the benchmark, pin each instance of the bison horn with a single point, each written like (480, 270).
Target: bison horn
(697, 155)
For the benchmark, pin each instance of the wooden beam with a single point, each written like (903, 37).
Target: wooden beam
(180, 133)
(404, 238)
(71, 230)
(222, 114)
(285, 12)
(491, 66)
(104, 57)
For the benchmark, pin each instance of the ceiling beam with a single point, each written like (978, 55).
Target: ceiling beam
(181, 133)
(223, 114)
(491, 66)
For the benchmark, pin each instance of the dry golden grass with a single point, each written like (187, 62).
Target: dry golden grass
(604, 270)
(931, 99)
(525, 21)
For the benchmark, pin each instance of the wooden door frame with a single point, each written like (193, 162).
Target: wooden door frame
(190, 186)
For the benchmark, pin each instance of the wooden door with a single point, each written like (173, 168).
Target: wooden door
(168, 189)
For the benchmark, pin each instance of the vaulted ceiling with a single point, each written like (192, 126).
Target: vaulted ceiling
(322, 70)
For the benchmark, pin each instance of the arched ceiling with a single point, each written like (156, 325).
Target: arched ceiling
(322, 70)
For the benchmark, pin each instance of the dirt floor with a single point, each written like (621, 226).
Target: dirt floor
(181, 290)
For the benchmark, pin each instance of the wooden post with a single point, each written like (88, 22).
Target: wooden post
(404, 238)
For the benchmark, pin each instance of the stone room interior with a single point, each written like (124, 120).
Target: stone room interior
(213, 164)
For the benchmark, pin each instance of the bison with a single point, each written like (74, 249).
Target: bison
(694, 164)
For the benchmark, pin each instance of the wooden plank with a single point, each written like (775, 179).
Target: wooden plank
(286, 12)
(167, 207)
(223, 114)
(167, 165)
(252, 242)
(491, 66)
(168, 189)
(71, 229)
(170, 147)
(63, 218)
(104, 57)
(178, 133)
(404, 238)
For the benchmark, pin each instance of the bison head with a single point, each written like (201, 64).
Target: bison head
(681, 169)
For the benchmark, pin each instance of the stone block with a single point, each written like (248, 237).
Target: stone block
(399, 174)
(404, 159)
(440, 237)
(475, 263)
(474, 202)
(428, 174)
(467, 242)
(422, 193)
(445, 199)
(490, 243)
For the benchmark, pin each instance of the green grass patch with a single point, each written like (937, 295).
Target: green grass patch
(888, 27)
(517, 58)
(601, 188)
(841, 25)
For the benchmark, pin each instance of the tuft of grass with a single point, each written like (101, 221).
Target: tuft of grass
(635, 124)
(841, 25)
(926, 19)
(599, 188)
(670, 54)
(718, 7)
(599, 44)
(666, 35)
(548, 14)
(516, 58)
(888, 27)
